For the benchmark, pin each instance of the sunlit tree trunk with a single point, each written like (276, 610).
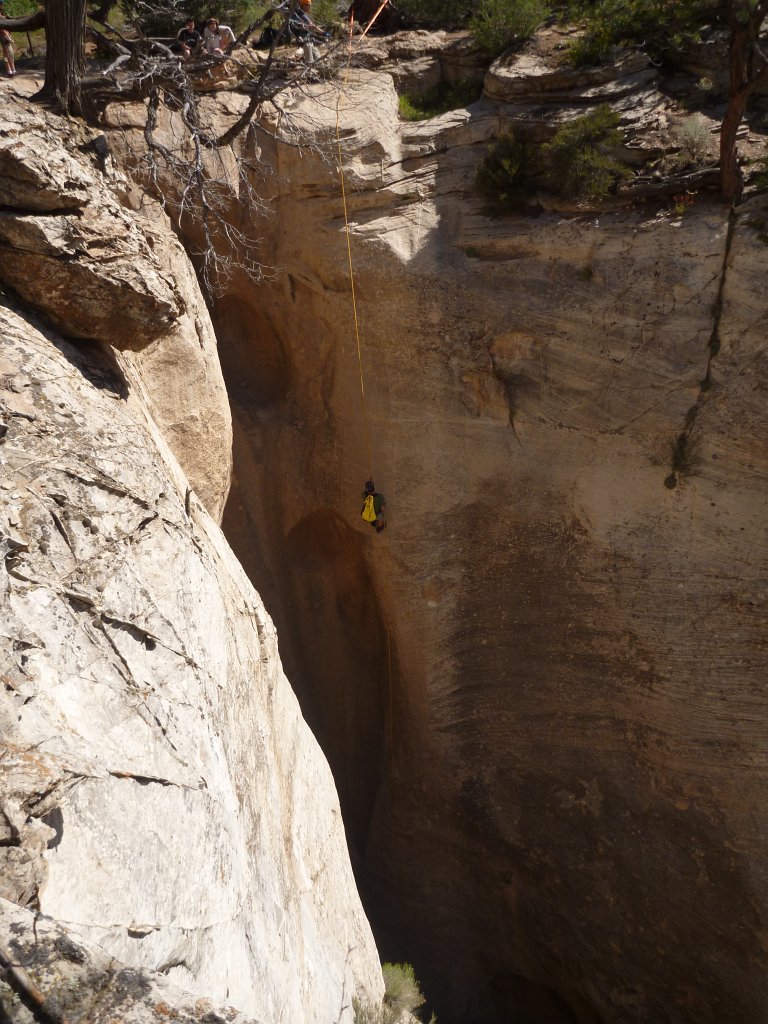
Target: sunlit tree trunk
(64, 55)
(747, 68)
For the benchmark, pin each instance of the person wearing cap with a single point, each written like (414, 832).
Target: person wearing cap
(217, 38)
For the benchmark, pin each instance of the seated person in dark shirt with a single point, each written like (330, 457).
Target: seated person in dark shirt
(189, 39)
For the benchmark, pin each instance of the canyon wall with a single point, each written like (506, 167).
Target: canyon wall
(160, 793)
(541, 688)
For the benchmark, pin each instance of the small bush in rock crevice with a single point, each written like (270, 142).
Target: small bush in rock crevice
(582, 164)
(402, 996)
(438, 101)
(695, 142)
(504, 176)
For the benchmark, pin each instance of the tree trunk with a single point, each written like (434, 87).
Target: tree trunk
(64, 54)
(747, 69)
(738, 73)
(731, 179)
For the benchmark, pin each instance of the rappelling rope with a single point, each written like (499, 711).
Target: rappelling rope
(349, 260)
(360, 355)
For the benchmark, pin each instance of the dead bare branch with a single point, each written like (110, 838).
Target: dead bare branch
(189, 164)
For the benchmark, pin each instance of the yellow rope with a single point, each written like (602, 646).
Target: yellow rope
(351, 272)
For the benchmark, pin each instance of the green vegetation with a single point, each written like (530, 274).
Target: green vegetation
(581, 161)
(497, 24)
(165, 18)
(401, 989)
(325, 12)
(19, 8)
(504, 176)
(695, 142)
(402, 995)
(437, 101)
(36, 40)
(436, 13)
(663, 27)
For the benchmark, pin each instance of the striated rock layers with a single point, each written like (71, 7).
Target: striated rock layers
(160, 793)
(555, 797)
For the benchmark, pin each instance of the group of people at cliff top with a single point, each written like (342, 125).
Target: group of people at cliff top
(215, 38)
(6, 42)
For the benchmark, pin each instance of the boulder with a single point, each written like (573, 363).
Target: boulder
(83, 263)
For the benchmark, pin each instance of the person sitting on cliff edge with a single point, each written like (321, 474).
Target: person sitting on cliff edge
(373, 506)
(217, 38)
(189, 39)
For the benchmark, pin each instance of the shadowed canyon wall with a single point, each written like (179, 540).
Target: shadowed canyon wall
(552, 775)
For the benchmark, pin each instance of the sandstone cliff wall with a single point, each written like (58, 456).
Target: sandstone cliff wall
(555, 799)
(160, 793)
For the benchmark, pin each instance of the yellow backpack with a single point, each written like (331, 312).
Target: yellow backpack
(369, 512)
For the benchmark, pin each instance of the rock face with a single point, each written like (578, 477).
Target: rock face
(92, 267)
(84, 263)
(541, 688)
(79, 983)
(160, 793)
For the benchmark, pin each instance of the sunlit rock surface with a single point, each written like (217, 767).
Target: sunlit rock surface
(161, 793)
(78, 982)
(73, 252)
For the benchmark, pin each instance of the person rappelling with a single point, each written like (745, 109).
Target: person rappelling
(373, 507)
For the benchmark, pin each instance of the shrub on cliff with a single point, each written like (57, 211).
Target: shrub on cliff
(436, 13)
(497, 24)
(504, 176)
(402, 996)
(661, 27)
(582, 164)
